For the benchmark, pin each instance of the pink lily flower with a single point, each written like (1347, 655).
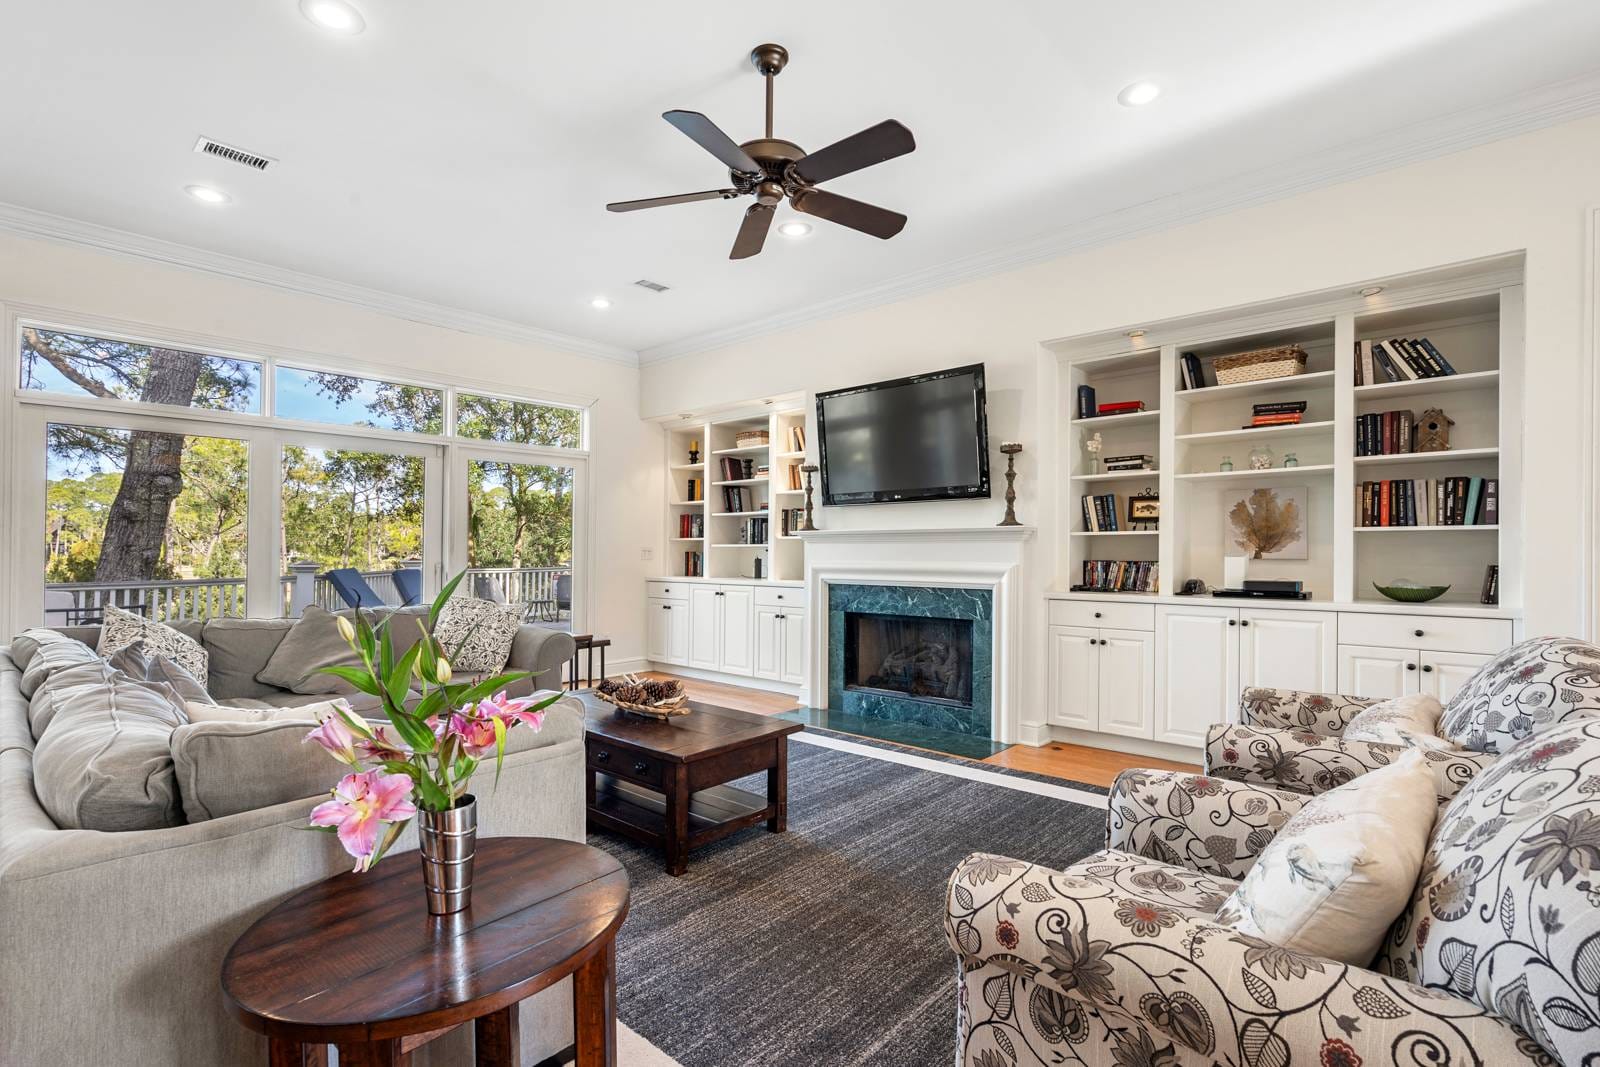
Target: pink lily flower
(513, 711)
(476, 734)
(361, 804)
(336, 736)
(379, 749)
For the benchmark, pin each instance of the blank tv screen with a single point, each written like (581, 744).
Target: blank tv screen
(908, 440)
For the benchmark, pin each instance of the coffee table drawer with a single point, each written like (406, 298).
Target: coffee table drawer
(624, 764)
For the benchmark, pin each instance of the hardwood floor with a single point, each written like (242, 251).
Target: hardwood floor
(1079, 763)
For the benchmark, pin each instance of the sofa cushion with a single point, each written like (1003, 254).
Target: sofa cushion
(39, 653)
(157, 669)
(313, 642)
(477, 634)
(240, 649)
(1342, 868)
(122, 628)
(1411, 720)
(227, 767)
(1505, 912)
(1523, 691)
(103, 761)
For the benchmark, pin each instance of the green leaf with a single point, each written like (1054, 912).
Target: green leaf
(443, 597)
(385, 651)
(395, 766)
(399, 676)
(354, 721)
(489, 686)
(414, 732)
(434, 798)
(356, 676)
(318, 829)
(395, 830)
(500, 748)
(431, 704)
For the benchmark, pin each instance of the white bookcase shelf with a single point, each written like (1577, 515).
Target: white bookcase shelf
(1221, 436)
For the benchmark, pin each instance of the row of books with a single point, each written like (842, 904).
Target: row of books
(734, 469)
(1138, 462)
(1386, 433)
(794, 477)
(738, 498)
(1088, 409)
(696, 489)
(1191, 372)
(1100, 512)
(753, 532)
(790, 520)
(797, 438)
(691, 525)
(1399, 359)
(1457, 501)
(1120, 576)
(1281, 413)
(693, 565)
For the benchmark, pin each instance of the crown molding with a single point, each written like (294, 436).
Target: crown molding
(1546, 106)
(26, 222)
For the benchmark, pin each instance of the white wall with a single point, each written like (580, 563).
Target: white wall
(626, 453)
(1529, 193)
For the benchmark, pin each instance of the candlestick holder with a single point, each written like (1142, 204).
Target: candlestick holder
(808, 470)
(1010, 450)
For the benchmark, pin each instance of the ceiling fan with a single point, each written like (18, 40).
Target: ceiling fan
(771, 169)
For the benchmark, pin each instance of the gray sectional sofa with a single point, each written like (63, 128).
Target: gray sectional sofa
(111, 941)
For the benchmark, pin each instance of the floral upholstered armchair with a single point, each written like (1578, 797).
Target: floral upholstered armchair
(1295, 740)
(1121, 960)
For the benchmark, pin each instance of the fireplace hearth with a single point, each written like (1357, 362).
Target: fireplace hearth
(927, 659)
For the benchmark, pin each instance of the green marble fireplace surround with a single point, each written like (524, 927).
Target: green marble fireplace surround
(933, 602)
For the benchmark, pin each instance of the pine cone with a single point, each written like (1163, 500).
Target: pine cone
(663, 690)
(631, 694)
(608, 686)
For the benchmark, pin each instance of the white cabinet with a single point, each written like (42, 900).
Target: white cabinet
(738, 630)
(1101, 679)
(732, 629)
(1370, 671)
(1288, 650)
(792, 643)
(667, 631)
(705, 627)
(1197, 671)
(1445, 672)
(780, 643)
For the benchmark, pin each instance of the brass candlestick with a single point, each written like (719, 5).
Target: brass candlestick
(1010, 449)
(809, 469)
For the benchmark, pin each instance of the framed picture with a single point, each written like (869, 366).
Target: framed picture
(1267, 523)
(1144, 510)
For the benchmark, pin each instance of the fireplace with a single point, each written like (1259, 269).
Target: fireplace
(927, 659)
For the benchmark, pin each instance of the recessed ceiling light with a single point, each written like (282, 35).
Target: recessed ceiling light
(795, 229)
(600, 302)
(335, 15)
(1135, 334)
(207, 195)
(1372, 290)
(1138, 94)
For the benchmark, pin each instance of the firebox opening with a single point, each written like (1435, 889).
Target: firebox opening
(904, 655)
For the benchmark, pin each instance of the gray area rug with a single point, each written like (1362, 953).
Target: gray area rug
(823, 946)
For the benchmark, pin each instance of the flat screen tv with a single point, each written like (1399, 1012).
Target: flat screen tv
(925, 437)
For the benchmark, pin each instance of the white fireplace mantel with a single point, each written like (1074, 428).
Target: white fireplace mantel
(982, 557)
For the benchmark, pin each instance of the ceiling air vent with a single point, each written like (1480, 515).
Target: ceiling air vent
(654, 287)
(206, 146)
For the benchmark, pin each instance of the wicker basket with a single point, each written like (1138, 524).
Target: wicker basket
(654, 711)
(751, 438)
(1261, 365)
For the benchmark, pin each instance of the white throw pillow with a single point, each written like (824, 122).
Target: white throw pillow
(476, 634)
(122, 628)
(1412, 721)
(203, 712)
(1342, 868)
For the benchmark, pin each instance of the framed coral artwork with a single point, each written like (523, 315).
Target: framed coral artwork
(1266, 523)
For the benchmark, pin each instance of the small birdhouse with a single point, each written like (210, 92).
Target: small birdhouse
(1433, 431)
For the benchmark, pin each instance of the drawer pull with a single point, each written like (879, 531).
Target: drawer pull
(602, 756)
(1244, 622)
(1411, 666)
(666, 607)
(1233, 622)
(640, 766)
(1097, 615)
(1427, 668)
(780, 596)
(1416, 633)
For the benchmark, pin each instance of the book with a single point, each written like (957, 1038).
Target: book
(1491, 502)
(1140, 458)
(1286, 419)
(1474, 495)
(1086, 402)
(1491, 585)
(1120, 407)
(1193, 371)
(1364, 362)
(1280, 408)
(1411, 362)
(1389, 367)
(797, 438)
(1436, 355)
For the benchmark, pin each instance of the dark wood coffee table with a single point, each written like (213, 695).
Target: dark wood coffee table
(357, 961)
(661, 782)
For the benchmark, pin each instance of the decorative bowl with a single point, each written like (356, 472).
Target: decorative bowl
(1411, 594)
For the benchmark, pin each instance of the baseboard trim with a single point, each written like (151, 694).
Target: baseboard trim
(1033, 734)
(743, 680)
(1138, 746)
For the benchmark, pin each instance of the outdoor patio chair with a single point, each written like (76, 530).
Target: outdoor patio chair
(352, 588)
(408, 583)
(563, 595)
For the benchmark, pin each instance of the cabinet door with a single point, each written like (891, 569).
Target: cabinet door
(1445, 672)
(658, 630)
(1127, 682)
(1197, 672)
(1074, 667)
(792, 646)
(1288, 650)
(705, 627)
(769, 643)
(678, 635)
(1365, 671)
(738, 630)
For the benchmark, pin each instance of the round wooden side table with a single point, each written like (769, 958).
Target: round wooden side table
(357, 961)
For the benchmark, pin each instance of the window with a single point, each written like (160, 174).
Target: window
(320, 396)
(491, 419)
(519, 536)
(124, 370)
(151, 521)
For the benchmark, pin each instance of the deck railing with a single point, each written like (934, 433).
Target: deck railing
(72, 603)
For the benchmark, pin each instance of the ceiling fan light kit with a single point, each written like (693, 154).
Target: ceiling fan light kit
(771, 169)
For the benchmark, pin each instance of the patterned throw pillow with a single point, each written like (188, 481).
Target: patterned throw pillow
(1523, 691)
(1411, 720)
(122, 628)
(477, 634)
(1507, 911)
(1342, 868)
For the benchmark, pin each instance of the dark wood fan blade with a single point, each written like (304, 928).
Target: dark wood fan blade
(752, 232)
(868, 218)
(703, 132)
(681, 198)
(874, 144)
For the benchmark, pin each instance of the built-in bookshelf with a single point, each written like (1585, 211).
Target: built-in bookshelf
(731, 509)
(1201, 437)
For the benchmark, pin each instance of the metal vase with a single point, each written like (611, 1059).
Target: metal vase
(448, 841)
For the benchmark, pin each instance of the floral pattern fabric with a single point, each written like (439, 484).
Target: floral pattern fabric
(1306, 762)
(1114, 963)
(120, 628)
(1507, 910)
(1528, 688)
(477, 634)
(1194, 821)
(1293, 709)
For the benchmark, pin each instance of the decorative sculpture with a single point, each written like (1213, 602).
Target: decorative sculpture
(1010, 449)
(1433, 431)
(809, 469)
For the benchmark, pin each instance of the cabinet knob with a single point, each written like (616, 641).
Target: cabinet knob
(1233, 622)
(1416, 633)
(666, 607)
(1102, 640)
(1097, 614)
(1244, 622)
(1427, 668)
(640, 766)
(719, 592)
(602, 756)
(780, 596)
(777, 616)
(1411, 666)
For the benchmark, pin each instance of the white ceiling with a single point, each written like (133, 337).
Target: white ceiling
(461, 153)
